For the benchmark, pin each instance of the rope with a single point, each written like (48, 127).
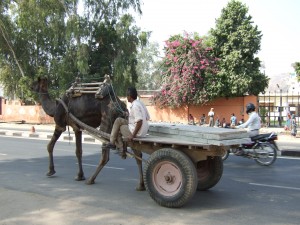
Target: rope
(119, 107)
(68, 112)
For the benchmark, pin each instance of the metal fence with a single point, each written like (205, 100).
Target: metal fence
(274, 107)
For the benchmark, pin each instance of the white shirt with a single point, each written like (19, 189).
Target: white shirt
(211, 113)
(253, 123)
(138, 112)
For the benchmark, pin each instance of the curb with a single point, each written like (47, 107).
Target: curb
(48, 136)
(293, 153)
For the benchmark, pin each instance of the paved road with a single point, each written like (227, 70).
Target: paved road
(247, 193)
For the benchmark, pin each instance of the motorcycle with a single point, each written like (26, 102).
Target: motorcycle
(262, 148)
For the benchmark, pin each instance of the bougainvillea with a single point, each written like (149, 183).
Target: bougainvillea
(189, 73)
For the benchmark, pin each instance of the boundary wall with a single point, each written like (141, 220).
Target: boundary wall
(15, 111)
(223, 108)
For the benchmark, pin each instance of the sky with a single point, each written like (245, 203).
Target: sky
(278, 20)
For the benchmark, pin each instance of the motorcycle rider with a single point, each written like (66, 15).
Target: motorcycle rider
(253, 123)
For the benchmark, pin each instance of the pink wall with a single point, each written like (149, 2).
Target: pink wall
(14, 111)
(223, 108)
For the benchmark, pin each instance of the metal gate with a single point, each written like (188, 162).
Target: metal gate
(275, 107)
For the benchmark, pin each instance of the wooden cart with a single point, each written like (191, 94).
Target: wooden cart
(179, 164)
(182, 158)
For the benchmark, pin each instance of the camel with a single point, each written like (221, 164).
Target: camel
(88, 110)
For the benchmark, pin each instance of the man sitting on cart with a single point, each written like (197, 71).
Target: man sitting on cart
(136, 125)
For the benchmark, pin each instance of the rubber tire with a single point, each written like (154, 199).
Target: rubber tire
(274, 145)
(180, 163)
(209, 172)
(225, 155)
(274, 151)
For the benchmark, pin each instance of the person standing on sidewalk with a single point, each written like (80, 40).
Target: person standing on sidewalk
(288, 124)
(211, 115)
(233, 120)
(136, 125)
(294, 126)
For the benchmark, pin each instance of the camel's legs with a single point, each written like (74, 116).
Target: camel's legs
(102, 163)
(141, 186)
(78, 136)
(50, 147)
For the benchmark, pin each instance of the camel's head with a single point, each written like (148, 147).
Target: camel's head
(40, 86)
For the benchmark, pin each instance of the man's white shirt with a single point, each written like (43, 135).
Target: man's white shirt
(138, 111)
(253, 123)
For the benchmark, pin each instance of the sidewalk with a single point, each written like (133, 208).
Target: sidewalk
(45, 131)
(41, 131)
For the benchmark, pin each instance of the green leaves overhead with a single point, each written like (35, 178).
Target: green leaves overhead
(61, 39)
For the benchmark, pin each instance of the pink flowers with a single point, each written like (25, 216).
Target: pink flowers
(188, 65)
(176, 43)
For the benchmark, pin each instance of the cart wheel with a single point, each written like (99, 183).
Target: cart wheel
(170, 177)
(209, 172)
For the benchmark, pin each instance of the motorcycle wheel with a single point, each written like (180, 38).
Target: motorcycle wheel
(265, 154)
(275, 145)
(225, 155)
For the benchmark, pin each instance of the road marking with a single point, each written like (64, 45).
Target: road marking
(275, 186)
(288, 157)
(2, 154)
(107, 167)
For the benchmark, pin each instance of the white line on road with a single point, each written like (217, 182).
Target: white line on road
(288, 157)
(2, 154)
(275, 186)
(108, 167)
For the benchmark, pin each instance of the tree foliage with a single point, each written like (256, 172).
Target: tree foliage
(296, 66)
(236, 41)
(148, 67)
(189, 73)
(52, 38)
(222, 64)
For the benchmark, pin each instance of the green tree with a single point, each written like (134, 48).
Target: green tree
(189, 73)
(115, 51)
(148, 67)
(236, 41)
(296, 66)
(51, 38)
(30, 40)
